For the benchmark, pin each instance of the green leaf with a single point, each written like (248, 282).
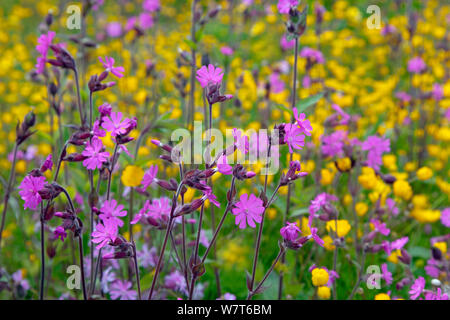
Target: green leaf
(304, 104)
(299, 212)
(420, 252)
(191, 44)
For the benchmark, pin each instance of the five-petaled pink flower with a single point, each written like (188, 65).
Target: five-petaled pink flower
(95, 154)
(290, 231)
(241, 141)
(302, 122)
(44, 42)
(149, 176)
(111, 211)
(114, 124)
(417, 288)
(285, 5)
(122, 290)
(104, 233)
(60, 233)
(29, 191)
(248, 211)
(209, 75)
(108, 64)
(293, 137)
(222, 165)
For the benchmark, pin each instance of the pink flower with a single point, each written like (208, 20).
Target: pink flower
(436, 296)
(287, 44)
(376, 147)
(417, 288)
(387, 276)
(241, 141)
(95, 154)
(149, 176)
(222, 165)
(445, 217)
(111, 211)
(248, 211)
(114, 29)
(416, 65)
(105, 109)
(104, 233)
(290, 232)
(210, 75)
(151, 5)
(315, 56)
(380, 227)
(114, 124)
(60, 233)
(108, 64)
(48, 164)
(316, 237)
(333, 144)
(44, 42)
(122, 290)
(276, 85)
(29, 191)
(285, 5)
(146, 20)
(227, 51)
(438, 91)
(293, 137)
(303, 123)
(211, 197)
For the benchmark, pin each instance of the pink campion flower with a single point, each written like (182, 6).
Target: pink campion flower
(241, 141)
(44, 42)
(114, 124)
(222, 165)
(285, 5)
(376, 147)
(95, 154)
(387, 276)
(302, 122)
(175, 281)
(319, 201)
(158, 209)
(146, 20)
(151, 5)
(416, 65)
(333, 144)
(380, 227)
(306, 81)
(445, 217)
(290, 232)
(142, 213)
(287, 44)
(97, 131)
(29, 191)
(114, 29)
(108, 64)
(122, 290)
(60, 233)
(149, 176)
(209, 75)
(417, 288)
(105, 109)
(207, 194)
(436, 296)
(48, 164)
(432, 268)
(111, 211)
(315, 56)
(316, 237)
(104, 233)
(437, 92)
(227, 51)
(248, 210)
(294, 137)
(276, 84)
(345, 117)
(390, 203)
(388, 29)
(403, 96)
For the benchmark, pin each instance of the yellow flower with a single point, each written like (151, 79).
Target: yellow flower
(442, 246)
(424, 173)
(402, 189)
(326, 177)
(132, 176)
(319, 277)
(324, 292)
(328, 243)
(344, 164)
(343, 227)
(367, 179)
(271, 213)
(382, 296)
(361, 208)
